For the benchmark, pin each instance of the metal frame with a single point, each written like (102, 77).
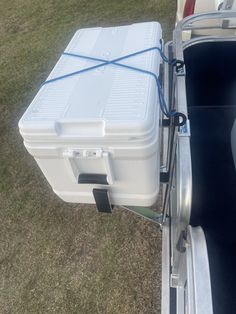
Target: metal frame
(178, 192)
(183, 154)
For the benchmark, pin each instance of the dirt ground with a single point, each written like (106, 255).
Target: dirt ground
(57, 257)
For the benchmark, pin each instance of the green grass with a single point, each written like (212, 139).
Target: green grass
(56, 257)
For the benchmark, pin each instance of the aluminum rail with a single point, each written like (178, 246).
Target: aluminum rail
(179, 194)
(182, 139)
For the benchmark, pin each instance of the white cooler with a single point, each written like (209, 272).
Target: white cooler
(95, 135)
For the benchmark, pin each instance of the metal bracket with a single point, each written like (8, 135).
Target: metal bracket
(184, 130)
(146, 213)
(179, 68)
(180, 246)
(174, 280)
(179, 64)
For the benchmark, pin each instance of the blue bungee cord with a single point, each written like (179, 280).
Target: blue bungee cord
(104, 62)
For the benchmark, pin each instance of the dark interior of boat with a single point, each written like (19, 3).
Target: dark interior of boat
(211, 98)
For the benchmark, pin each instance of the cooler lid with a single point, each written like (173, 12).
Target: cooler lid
(109, 101)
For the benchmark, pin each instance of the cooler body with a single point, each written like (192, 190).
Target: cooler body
(100, 129)
(130, 176)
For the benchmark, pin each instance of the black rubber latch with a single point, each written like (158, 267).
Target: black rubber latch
(164, 177)
(102, 200)
(92, 178)
(165, 123)
(179, 119)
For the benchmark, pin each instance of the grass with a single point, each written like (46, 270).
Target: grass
(57, 257)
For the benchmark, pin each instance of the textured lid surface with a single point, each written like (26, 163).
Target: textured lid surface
(108, 101)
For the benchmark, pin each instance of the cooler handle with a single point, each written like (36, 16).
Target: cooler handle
(73, 169)
(92, 178)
